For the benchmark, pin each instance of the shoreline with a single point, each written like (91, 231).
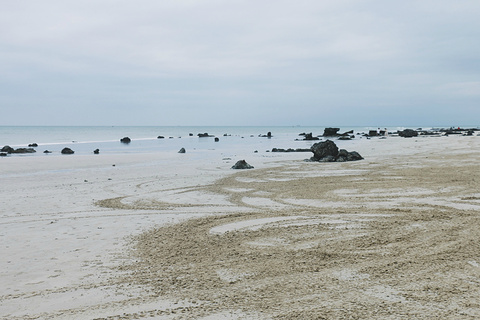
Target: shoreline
(61, 243)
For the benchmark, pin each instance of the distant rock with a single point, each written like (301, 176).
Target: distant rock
(309, 137)
(217, 139)
(327, 151)
(204, 135)
(330, 132)
(3, 154)
(67, 151)
(290, 150)
(242, 164)
(96, 151)
(47, 151)
(7, 149)
(268, 135)
(160, 137)
(125, 140)
(33, 145)
(24, 150)
(408, 133)
(182, 150)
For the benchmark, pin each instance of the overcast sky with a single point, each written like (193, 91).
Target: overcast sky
(209, 62)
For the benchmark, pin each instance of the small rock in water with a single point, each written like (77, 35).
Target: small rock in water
(33, 145)
(96, 151)
(125, 140)
(67, 151)
(242, 164)
(47, 151)
(182, 150)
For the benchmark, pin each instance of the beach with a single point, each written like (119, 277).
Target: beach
(163, 235)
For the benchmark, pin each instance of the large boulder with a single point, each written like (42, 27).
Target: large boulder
(324, 149)
(242, 164)
(327, 151)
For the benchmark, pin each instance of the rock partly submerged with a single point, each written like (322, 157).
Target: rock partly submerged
(10, 150)
(67, 151)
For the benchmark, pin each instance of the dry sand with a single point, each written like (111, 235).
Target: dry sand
(394, 236)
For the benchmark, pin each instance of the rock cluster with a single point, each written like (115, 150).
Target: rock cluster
(327, 151)
(9, 150)
(290, 150)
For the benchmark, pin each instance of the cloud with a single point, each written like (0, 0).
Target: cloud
(208, 54)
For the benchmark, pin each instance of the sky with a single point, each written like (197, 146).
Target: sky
(209, 62)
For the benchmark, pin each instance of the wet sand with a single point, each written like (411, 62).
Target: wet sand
(393, 236)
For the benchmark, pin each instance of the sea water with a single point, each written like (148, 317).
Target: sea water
(85, 139)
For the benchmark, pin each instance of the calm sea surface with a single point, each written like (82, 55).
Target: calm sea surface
(83, 140)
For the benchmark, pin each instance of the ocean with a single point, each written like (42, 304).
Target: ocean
(85, 139)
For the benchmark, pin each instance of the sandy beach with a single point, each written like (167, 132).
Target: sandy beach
(393, 236)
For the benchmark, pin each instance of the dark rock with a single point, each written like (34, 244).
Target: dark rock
(217, 139)
(3, 154)
(47, 151)
(408, 133)
(24, 150)
(309, 136)
(242, 164)
(290, 150)
(125, 140)
(33, 145)
(354, 156)
(182, 150)
(372, 133)
(204, 135)
(327, 151)
(342, 153)
(96, 151)
(344, 138)
(330, 132)
(324, 149)
(67, 151)
(160, 137)
(190, 134)
(7, 149)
